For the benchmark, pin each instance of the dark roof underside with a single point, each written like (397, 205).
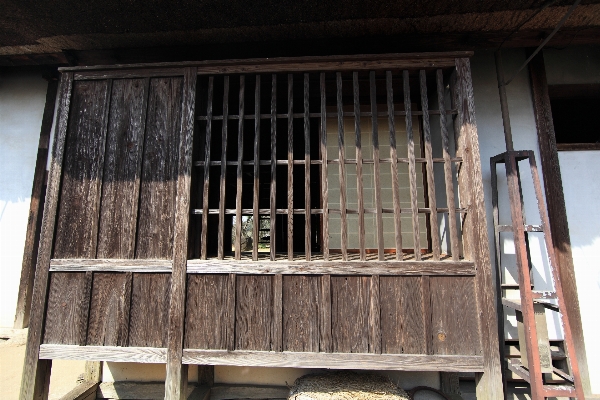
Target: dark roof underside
(87, 32)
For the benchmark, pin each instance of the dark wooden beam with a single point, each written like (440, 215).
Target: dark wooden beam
(557, 212)
(36, 207)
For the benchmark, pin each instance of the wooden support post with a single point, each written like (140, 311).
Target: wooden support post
(489, 383)
(557, 212)
(36, 373)
(35, 212)
(176, 382)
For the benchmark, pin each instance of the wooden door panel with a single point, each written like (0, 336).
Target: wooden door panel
(301, 313)
(149, 310)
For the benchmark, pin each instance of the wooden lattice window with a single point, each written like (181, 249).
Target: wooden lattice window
(369, 183)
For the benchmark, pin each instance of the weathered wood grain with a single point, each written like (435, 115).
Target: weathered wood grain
(122, 169)
(253, 316)
(176, 379)
(325, 314)
(159, 170)
(447, 167)
(109, 309)
(324, 185)
(455, 329)
(350, 297)
(394, 165)
(374, 316)
(239, 180)
(150, 355)
(277, 314)
(402, 315)
(36, 210)
(376, 167)
(342, 166)
(208, 312)
(221, 229)
(149, 313)
(412, 174)
(109, 265)
(281, 64)
(205, 183)
(273, 183)
(307, 215)
(35, 379)
(301, 313)
(83, 391)
(332, 267)
(256, 183)
(490, 382)
(290, 168)
(397, 362)
(68, 308)
(359, 166)
(77, 221)
(433, 217)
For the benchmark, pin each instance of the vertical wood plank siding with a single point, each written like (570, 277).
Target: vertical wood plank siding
(130, 181)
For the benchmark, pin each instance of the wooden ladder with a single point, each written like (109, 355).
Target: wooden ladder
(535, 364)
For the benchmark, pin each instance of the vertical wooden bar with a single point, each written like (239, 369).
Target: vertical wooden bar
(277, 321)
(376, 169)
(342, 166)
(231, 299)
(209, 115)
(324, 186)
(374, 317)
(255, 216)
(359, 169)
(290, 199)
(426, 301)
(447, 168)
(240, 158)
(36, 373)
(489, 383)
(35, 212)
(394, 166)
(307, 213)
(325, 314)
(176, 381)
(221, 245)
(433, 220)
(273, 164)
(412, 174)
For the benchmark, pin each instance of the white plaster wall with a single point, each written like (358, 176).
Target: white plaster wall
(491, 143)
(22, 100)
(580, 171)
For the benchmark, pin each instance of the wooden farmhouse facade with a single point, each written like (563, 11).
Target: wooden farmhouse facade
(315, 209)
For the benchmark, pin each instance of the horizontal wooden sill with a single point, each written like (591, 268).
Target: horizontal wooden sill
(577, 146)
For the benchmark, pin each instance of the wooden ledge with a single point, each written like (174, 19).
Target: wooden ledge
(151, 355)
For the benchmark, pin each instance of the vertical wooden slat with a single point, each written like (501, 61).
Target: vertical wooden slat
(359, 169)
(273, 165)
(255, 218)
(412, 173)
(374, 317)
(376, 169)
(209, 114)
(433, 220)
(324, 188)
(238, 192)
(290, 169)
(307, 214)
(489, 383)
(176, 380)
(342, 166)
(325, 314)
(231, 299)
(36, 373)
(447, 168)
(221, 245)
(394, 166)
(122, 168)
(277, 321)
(426, 301)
